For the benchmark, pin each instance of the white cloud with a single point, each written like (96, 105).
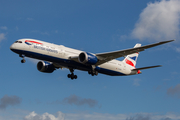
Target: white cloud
(16, 114)
(174, 91)
(4, 28)
(30, 19)
(136, 82)
(16, 28)
(99, 116)
(78, 101)
(9, 101)
(2, 36)
(78, 116)
(158, 21)
(177, 49)
(139, 117)
(45, 116)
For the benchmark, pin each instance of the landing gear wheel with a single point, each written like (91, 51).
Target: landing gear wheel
(69, 75)
(75, 76)
(23, 61)
(93, 73)
(96, 73)
(72, 76)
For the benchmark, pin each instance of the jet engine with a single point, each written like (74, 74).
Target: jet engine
(46, 67)
(87, 58)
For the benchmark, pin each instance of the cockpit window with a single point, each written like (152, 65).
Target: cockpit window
(18, 42)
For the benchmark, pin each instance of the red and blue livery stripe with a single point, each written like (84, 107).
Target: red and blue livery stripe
(129, 62)
(133, 58)
(29, 42)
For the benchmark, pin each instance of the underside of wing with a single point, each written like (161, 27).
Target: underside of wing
(105, 57)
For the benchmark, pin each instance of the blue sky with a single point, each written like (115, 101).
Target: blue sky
(93, 26)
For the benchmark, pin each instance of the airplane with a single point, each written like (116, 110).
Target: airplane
(54, 56)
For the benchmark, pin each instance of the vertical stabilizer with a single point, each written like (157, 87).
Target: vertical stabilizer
(131, 59)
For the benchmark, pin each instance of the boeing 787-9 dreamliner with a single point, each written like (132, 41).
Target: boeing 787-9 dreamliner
(54, 56)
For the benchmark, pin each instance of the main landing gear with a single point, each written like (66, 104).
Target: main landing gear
(23, 60)
(93, 73)
(72, 76)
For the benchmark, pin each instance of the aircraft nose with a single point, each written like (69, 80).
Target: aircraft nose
(12, 47)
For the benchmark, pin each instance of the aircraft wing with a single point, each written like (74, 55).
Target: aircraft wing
(105, 57)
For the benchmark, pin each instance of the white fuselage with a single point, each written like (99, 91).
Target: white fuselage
(60, 55)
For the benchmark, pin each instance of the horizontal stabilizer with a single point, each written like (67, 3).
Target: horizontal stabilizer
(146, 67)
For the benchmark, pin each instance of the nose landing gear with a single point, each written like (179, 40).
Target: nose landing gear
(23, 60)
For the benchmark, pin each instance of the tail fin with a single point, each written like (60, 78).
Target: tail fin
(132, 58)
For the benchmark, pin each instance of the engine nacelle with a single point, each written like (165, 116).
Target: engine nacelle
(46, 67)
(87, 58)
